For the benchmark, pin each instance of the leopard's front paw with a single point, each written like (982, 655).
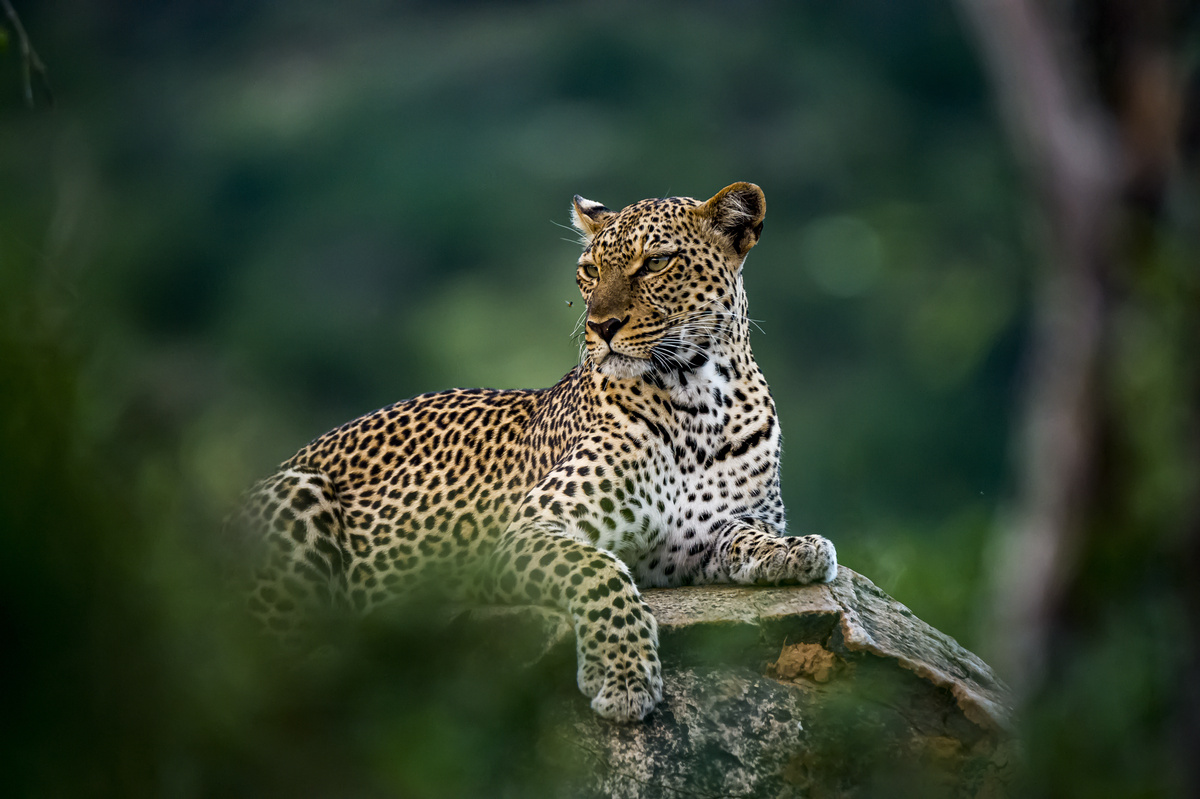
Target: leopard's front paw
(811, 559)
(629, 691)
(619, 667)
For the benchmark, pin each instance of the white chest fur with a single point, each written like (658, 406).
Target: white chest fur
(716, 460)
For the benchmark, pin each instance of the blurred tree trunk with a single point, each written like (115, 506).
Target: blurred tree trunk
(1106, 520)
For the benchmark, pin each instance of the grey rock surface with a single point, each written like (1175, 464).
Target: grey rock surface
(805, 691)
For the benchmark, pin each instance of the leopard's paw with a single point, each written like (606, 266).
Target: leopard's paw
(811, 559)
(619, 667)
(628, 694)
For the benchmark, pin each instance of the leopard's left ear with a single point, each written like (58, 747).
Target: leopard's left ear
(589, 216)
(736, 214)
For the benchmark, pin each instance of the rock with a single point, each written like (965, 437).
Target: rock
(806, 691)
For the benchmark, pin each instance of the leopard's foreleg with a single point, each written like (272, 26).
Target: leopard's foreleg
(744, 551)
(616, 634)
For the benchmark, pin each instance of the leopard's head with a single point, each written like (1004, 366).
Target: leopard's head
(662, 278)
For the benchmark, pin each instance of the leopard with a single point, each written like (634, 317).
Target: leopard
(653, 463)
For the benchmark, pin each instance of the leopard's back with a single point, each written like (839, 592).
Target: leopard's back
(427, 484)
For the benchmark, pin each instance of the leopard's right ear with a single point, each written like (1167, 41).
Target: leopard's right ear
(736, 214)
(589, 217)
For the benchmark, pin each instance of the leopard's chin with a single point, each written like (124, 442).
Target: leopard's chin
(624, 367)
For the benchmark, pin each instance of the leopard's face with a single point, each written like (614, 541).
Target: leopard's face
(662, 278)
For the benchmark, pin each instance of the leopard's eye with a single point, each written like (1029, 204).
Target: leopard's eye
(656, 263)
(591, 270)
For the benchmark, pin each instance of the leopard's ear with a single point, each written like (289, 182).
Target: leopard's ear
(736, 215)
(588, 216)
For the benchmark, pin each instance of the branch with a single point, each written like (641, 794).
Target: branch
(31, 64)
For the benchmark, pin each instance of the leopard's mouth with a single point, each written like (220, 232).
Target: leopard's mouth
(616, 364)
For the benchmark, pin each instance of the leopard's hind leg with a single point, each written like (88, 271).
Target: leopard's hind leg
(302, 567)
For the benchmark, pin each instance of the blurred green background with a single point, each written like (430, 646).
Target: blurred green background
(245, 223)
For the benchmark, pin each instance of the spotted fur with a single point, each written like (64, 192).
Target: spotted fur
(655, 462)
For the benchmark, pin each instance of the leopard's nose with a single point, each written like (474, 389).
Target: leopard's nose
(609, 328)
